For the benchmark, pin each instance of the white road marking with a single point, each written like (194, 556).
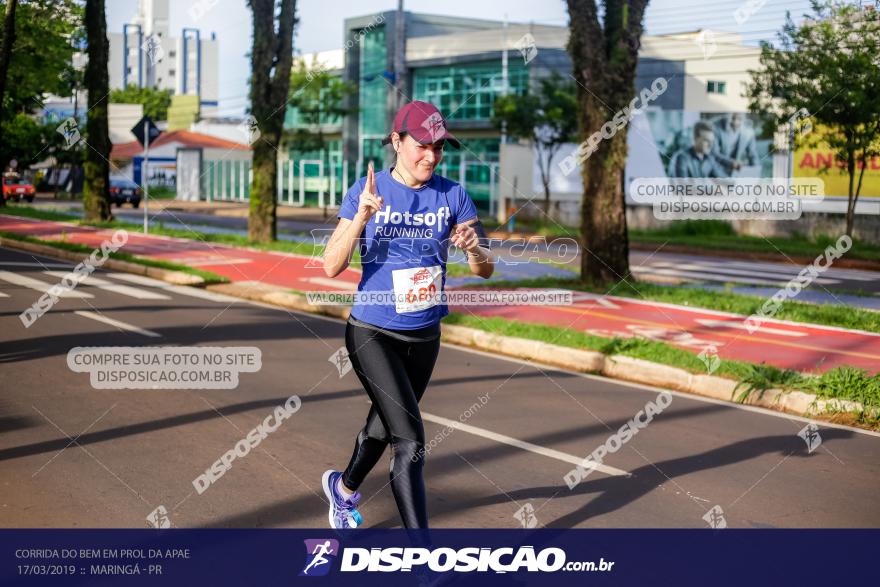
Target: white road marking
(694, 275)
(193, 292)
(547, 452)
(783, 277)
(647, 271)
(838, 273)
(742, 326)
(608, 304)
(202, 261)
(30, 282)
(579, 297)
(791, 269)
(116, 323)
(125, 290)
(330, 282)
(40, 265)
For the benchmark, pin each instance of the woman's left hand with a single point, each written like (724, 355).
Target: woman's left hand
(465, 237)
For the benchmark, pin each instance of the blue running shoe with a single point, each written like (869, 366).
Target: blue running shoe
(343, 514)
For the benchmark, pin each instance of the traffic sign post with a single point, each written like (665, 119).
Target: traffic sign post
(146, 132)
(146, 176)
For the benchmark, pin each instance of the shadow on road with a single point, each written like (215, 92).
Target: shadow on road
(289, 511)
(614, 493)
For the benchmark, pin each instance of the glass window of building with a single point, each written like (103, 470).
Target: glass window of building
(467, 91)
(716, 87)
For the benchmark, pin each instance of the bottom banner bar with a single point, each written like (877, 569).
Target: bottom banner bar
(439, 557)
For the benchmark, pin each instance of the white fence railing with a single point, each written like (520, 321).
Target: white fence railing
(323, 183)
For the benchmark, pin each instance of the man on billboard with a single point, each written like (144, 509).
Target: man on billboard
(698, 161)
(735, 144)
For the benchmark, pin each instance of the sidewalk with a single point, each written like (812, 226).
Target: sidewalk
(803, 347)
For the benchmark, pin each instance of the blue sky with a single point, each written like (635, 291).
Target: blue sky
(320, 29)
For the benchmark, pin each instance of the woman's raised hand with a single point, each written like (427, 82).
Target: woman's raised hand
(370, 202)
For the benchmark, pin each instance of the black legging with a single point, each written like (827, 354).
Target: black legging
(395, 374)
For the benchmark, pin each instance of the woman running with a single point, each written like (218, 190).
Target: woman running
(404, 219)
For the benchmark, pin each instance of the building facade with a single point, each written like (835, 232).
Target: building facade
(146, 53)
(462, 65)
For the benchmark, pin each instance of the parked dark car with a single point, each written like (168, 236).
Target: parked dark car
(124, 190)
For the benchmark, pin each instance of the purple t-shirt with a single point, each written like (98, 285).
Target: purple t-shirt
(404, 248)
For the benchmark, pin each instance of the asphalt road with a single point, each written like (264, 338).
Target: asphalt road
(75, 456)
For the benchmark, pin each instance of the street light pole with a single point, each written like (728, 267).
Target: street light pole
(501, 212)
(400, 82)
(144, 173)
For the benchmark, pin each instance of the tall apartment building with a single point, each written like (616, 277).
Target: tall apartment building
(147, 54)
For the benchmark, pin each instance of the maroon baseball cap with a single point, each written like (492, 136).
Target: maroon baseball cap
(423, 122)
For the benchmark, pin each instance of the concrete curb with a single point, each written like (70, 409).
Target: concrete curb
(175, 277)
(645, 372)
(522, 348)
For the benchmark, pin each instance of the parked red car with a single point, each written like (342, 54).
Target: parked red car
(16, 188)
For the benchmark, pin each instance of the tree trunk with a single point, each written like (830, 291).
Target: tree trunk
(271, 59)
(850, 202)
(262, 217)
(546, 183)
(604, 58)
(551, 153)
(96, 191)
(850, 220)
(5, 56)
(544, 168)
(603, 209)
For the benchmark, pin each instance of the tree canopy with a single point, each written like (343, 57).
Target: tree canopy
(316, 99)
(155, 101)
(826, 70)
(543, 117)
(47, 34)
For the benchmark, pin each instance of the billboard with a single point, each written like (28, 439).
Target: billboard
(819, 161)
(685, 144)
(712, 165)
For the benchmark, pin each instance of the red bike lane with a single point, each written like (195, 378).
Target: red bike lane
(799, 346)
(235, 263)
(791, 345)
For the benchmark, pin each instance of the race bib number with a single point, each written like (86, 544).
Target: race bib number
(417, 288)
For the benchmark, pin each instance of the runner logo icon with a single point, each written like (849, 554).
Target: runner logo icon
(320, 553)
